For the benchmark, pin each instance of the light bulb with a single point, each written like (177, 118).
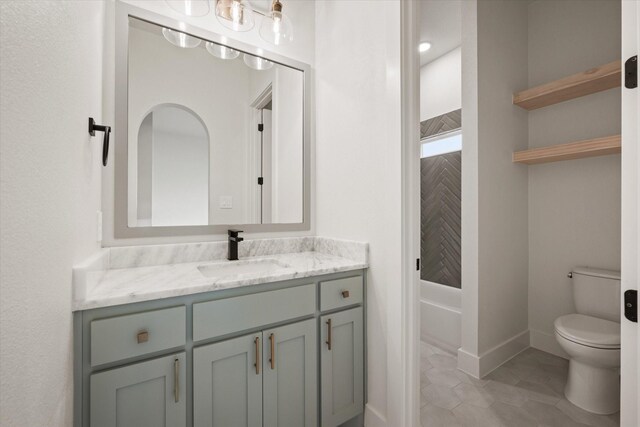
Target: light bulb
(179, 39)
(257, 63)
(236, 15)
(220, 51)
(424, 46)
(276, 28)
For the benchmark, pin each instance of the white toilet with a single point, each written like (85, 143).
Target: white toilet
(591, 337)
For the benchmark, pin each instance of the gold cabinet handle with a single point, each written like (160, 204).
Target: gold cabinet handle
(143, 336)
(345, 294)
(329, 334)
(176, 380)
(273, 351)
(256, 341)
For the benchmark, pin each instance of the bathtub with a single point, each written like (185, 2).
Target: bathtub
(440, 319)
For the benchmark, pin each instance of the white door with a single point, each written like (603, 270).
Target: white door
(630, 378)
(267, 167)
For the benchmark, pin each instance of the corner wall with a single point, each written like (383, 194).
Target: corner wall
(574, 206)
(50, 173)
(358, 164)
(495, 235)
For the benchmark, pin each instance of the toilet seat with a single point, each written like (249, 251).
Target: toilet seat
(589, 331)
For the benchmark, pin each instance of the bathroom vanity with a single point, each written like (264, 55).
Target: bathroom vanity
(212, 135)
(273, 340)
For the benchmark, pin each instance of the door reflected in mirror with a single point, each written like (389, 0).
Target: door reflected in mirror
(214, 136)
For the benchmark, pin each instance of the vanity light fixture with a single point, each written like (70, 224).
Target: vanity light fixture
(276, 27)
(257, 63)
(190, 7)
(236, 15)
(424, 46)
(179, 39)
(220, 51)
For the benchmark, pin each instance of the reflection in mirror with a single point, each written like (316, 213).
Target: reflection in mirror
(173, 168)
(215, 135)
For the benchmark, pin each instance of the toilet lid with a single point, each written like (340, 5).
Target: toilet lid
(589, 331)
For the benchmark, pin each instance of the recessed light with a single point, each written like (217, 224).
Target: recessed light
(424, 46)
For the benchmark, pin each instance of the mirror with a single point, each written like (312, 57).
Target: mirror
(216, 133)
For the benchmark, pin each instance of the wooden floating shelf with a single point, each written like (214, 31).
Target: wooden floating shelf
(573, 150)
(587, 82)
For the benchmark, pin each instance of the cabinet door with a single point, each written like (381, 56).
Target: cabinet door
(342, 366)
(290, 375)
(147, 394)
(227, 383)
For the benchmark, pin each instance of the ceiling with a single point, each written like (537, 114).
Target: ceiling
(440, 25)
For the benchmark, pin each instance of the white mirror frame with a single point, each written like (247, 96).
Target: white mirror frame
(120, 132)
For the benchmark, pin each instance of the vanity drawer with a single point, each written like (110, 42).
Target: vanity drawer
(121, 337)
(225, 316)
(340, 293)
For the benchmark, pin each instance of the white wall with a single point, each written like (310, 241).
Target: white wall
(180, 168)
(574, 206)
(494, 202)
(51, 82)
(358, 170)
(441, 85)
(287, 150)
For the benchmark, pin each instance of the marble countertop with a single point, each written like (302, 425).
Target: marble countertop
(104, 286)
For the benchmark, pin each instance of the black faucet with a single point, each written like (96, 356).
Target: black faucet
(232, 254)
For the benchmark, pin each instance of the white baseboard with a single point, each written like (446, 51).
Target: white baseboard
(444, 345)
(503, 352)
(547, 342)
(469, 363)
(373, 418)
(479, 366)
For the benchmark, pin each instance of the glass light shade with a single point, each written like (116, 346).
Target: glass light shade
(190, 7)
(276, 28)
(222, 52)
(257, 63)
(179, 39)
(236, 15)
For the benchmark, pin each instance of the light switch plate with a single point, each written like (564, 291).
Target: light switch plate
(225, 202)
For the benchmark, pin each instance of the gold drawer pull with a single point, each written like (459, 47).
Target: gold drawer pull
(143, 336)
(345, 294)
(176, 380)
(256, 341)
(272, 359)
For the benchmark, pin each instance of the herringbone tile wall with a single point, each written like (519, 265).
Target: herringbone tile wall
(440, 191)
(441, 124)
(440, 199)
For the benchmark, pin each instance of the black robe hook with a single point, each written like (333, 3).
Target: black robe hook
(93, 127)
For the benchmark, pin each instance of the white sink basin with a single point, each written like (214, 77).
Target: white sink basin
(235, 268)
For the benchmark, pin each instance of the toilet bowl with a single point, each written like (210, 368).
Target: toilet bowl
(593, 345)
(591, 338)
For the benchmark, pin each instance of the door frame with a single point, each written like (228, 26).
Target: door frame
(410, 154)
(630, 273)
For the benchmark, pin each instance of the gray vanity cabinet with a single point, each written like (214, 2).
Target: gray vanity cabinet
(264, 379)
(342, 369)
(255, 356)
(146, 394)
(227, 383)
(290, 375)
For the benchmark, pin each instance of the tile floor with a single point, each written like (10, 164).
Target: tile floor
(526, 391)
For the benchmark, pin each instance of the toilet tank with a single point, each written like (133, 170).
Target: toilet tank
(596, 293)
